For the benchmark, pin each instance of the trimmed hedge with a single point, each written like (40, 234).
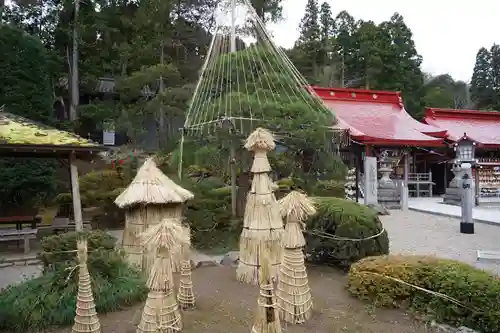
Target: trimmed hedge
(478, 291)
(348, 219)
(50, 299)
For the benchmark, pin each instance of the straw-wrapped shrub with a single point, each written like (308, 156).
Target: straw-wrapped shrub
(475, 293)
(50, 299)
(337, 217)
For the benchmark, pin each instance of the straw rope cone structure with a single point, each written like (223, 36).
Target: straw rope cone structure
(293, 293)
(86, 320)
(267, 316)
(185, 295)
(262, 224)
(161, 312)
(150, 197)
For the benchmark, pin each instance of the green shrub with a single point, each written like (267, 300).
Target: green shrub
(50, 300)
(478, 291)
(55, 249)
(344, 218)
(209, 215)
(329, 188)
(99, 189)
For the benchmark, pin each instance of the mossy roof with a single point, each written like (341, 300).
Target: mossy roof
(18, 130)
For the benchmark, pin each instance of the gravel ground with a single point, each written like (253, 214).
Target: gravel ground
(419, 233)
(225, 305)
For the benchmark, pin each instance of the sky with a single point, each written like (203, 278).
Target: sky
(447, 33)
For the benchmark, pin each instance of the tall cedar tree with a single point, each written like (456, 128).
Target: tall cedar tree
(309, 40)
(402, 71)
(327, 26)
(344, 48)
(482, 92)
(495, 75)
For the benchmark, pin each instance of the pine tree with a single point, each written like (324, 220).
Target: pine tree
(482, 80)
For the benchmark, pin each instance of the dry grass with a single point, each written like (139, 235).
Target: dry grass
(225, 305)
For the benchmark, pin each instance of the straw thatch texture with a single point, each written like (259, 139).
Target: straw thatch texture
(185, 295)
(295, 207)
(151, 186)
(161, 311)
(262, 224)
(86, 320)
(137, 220)
(267, 317)
(150, 197)
(294, 295)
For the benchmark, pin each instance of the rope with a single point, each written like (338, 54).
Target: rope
(326, 235)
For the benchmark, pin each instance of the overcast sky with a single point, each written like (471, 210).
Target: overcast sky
(447, 33)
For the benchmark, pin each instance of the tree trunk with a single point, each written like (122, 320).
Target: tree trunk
(75, 91)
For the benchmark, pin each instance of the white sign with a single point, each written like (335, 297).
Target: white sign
(371, 181)
(108, 138)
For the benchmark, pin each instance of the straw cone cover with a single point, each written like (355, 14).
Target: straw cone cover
(262, 223)
(260, 139)
(86, 320)
(296, 206)
(152, 186)
(294, 295)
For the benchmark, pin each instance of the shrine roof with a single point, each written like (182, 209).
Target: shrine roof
(480, 126)
(378, 118)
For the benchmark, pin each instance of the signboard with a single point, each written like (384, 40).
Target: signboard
(371, 180)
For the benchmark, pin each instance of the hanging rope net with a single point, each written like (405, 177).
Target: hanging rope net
(248, 81)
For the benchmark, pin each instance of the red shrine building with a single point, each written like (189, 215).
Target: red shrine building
(378, 125)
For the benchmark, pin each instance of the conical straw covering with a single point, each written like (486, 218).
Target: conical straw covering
(169, 234)
(151, 186)
(296, 206)
(260, 139)
(267, 316)
(86, 320)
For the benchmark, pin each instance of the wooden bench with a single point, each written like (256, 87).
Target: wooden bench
(64, 224)
(18, 235)
(19, 220)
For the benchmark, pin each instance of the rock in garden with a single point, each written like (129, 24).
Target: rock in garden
(230, 259)
(442, 328)
(381, 210)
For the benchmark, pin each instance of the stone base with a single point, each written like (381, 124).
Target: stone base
(390, 204)
(389, 198)
(452, 196)
(466, 228)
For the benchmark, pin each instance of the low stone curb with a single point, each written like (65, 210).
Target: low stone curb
(453, 216)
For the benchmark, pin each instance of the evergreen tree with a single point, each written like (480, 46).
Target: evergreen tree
(482, 92)
(495, 75)
(371, 45)
(307, 53)
(327, 26)
(268, 10)
(344, 48)
(402, 65)
(25, 91)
